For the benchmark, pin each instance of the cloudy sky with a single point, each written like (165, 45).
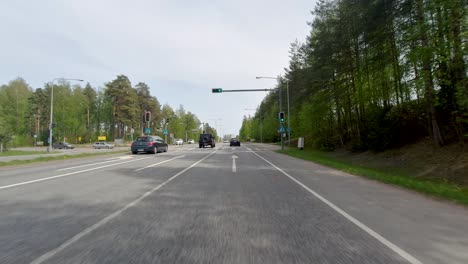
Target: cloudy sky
(181, 49)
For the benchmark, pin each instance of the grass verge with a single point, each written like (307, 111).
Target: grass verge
(61, 157)
(439, 189)
(20, 153)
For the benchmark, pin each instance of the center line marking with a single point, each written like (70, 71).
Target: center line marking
(353, 220)
(91, 164)
(156, 164)
(108, 218)
(66, 174)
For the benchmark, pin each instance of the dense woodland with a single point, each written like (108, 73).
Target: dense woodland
(374, 75)
(87, 112)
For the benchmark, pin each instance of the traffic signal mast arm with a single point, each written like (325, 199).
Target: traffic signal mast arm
(219, 90)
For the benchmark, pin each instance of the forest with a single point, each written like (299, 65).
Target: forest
(373, 75)
(81, 114)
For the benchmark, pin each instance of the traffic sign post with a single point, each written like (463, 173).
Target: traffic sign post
(148, 130)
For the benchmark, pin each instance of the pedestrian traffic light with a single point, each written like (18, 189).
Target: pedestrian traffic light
(217, 90)
(147, 116)
(281, 117)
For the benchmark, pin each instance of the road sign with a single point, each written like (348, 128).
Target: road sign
(282, 129)
(166, 132)
(148, 130)
(103, 138)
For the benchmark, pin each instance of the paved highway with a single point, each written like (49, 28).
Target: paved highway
(221, 205)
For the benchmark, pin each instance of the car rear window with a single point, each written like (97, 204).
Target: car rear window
(144, 139)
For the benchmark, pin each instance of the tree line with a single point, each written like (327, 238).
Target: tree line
(374, 74)
(82, 114)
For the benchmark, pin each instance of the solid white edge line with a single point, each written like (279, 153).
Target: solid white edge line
(108, 218)
(380, 238)
(66, 174)
(156, 164)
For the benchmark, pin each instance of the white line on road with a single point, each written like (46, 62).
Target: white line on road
(156, 164)
(108, 218)
(66, 174)
(248, 148)
(234, 168)
(120, 158)
(91, 164)
(353, 220)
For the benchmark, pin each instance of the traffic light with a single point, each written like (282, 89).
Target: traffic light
(281, 117)
(217, 90)
(147, 116)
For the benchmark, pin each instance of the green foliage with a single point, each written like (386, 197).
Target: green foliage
(374, 75)
(83, 114)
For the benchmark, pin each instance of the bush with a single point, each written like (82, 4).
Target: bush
(393, 127)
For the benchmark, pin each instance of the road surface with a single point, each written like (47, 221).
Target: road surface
(224, 205)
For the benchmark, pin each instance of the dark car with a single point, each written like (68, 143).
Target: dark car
(149, 144)
(206, 140)
(62, 145)
(234, 142)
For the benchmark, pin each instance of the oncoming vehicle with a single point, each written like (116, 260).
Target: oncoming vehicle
(191, 141)
(234, 142)
(102, 145)
(179, 141)
(149, 144)
(206, 140)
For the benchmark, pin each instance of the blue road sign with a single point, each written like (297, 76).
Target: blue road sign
(166, 132)
(148, 130)
(282, 129)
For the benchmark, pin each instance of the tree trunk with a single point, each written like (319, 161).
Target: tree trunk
(427, 75)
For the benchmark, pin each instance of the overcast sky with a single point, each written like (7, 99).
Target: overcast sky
(181, 49)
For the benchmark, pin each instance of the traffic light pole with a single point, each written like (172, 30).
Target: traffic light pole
(281, 110)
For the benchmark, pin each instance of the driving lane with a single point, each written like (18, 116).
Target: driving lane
(210, 214)
(193, 205)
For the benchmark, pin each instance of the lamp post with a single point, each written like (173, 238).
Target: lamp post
(280, 95)
(49, 148)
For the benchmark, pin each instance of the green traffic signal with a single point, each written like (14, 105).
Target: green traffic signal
(281, 117)
(217, 90)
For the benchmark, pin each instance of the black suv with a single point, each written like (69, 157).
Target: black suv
(234, 142)
(206, 140)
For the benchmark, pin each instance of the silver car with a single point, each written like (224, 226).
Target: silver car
(102, 145)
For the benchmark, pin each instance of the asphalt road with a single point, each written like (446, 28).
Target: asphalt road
(221, 205)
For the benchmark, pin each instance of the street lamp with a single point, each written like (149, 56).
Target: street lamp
(52, 107)
(281, 106)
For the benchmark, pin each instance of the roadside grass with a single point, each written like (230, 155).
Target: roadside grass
(61, 157)
(431, 187)
(20, 153)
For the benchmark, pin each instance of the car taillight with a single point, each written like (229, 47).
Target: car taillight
(150, 143)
